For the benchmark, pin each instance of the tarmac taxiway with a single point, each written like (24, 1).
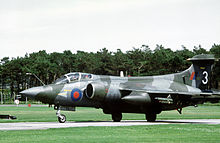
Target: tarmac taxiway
(49, 125)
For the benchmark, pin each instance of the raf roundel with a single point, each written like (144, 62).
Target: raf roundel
(76, 94)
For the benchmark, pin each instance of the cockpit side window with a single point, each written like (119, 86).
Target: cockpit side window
(86, 76)
(73, 77)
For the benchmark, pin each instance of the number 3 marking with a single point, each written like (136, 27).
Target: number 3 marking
(205, 81)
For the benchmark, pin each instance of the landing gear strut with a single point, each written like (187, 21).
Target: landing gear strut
(116, 117)
(61, 117)
(151, 117)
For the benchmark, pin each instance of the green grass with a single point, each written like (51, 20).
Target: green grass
(183, 133)
(171, 133)
(45, 114)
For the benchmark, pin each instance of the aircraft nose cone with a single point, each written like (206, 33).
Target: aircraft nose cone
(32, 92)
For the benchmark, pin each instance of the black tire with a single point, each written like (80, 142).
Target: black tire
(116, 117)
(62, 119)
(151, 117)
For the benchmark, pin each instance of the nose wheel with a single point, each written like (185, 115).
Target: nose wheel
(61, 117)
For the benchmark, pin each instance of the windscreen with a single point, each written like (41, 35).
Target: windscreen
(63, 79)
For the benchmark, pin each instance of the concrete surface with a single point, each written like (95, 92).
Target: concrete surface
(48, 125)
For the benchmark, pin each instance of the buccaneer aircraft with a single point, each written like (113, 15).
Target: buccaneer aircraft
(149, 95)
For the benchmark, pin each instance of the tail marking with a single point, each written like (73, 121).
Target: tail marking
(192, 77)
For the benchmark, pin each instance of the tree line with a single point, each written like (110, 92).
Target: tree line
(140, 61)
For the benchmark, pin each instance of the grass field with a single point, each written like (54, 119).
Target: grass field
(154, 133)
(45, 114)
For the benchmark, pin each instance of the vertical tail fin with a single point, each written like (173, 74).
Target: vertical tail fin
(201, 71)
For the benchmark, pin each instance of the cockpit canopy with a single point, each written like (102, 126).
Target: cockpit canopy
(70, 77)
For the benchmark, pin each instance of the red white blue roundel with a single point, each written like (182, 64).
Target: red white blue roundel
(76, 94)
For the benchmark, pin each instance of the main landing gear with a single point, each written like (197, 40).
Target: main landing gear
(61, 117)
(151, 117)
(116, 117)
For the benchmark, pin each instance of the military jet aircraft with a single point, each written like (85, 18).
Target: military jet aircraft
(149, 95)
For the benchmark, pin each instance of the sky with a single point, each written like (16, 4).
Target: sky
(27, 26)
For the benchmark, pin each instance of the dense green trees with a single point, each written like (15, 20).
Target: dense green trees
(136, 62)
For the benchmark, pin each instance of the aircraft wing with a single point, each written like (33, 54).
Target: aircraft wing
(170, 92)
(139, 89)
(143, 87)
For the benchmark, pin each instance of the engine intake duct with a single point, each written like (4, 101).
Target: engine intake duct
(96, 91)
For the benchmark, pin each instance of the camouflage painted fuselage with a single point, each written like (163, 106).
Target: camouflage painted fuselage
(115, 88)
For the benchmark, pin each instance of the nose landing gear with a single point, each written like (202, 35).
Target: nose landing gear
(61, 117)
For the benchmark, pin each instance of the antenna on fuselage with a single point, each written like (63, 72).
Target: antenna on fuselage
(122, 74)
